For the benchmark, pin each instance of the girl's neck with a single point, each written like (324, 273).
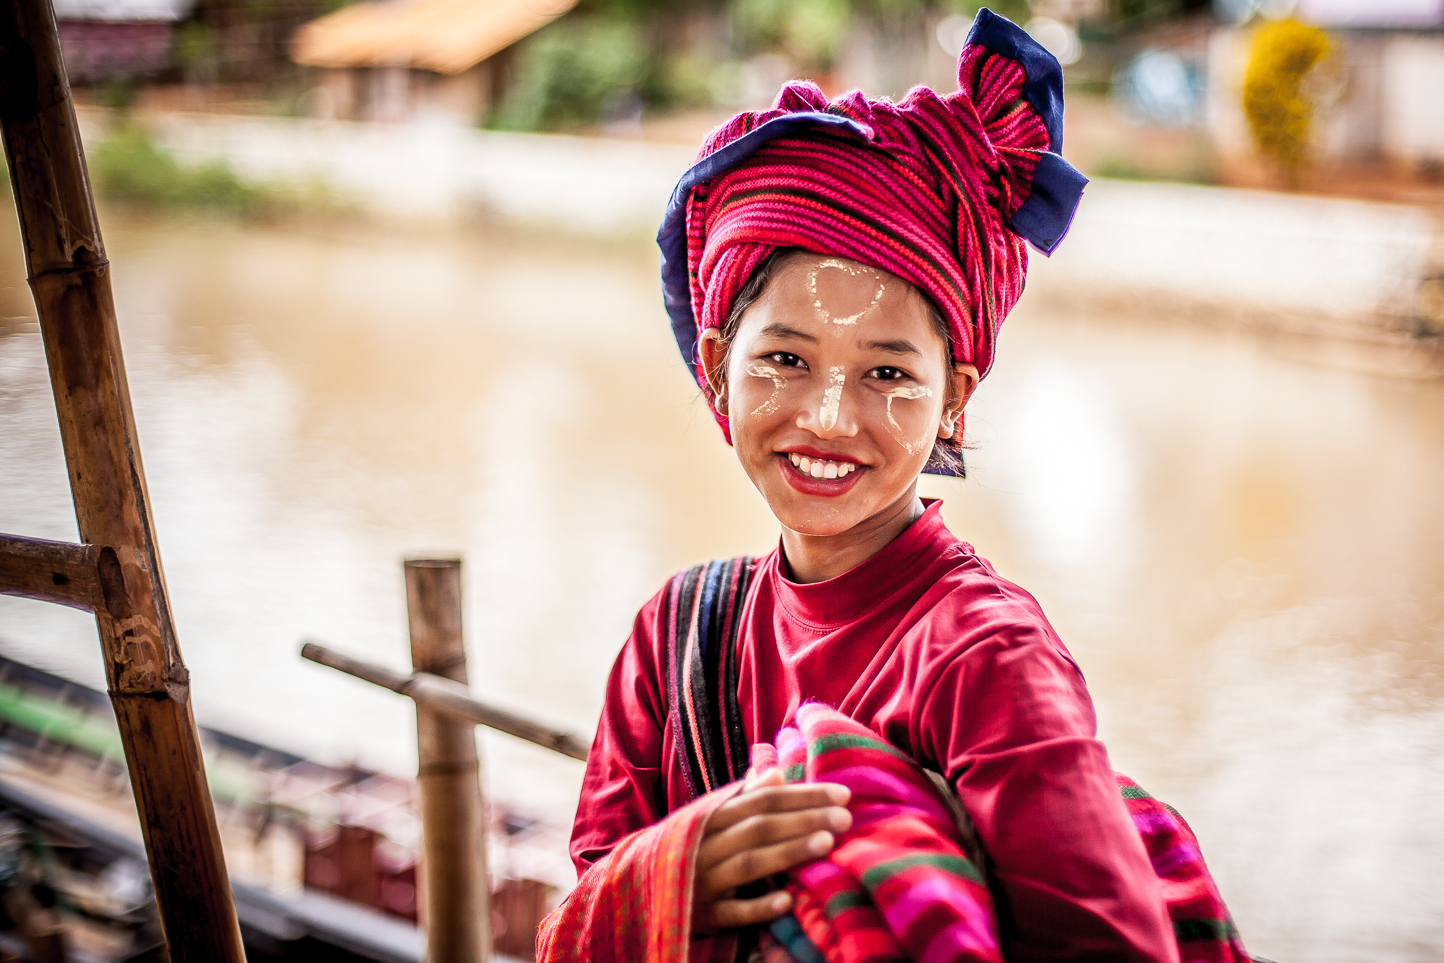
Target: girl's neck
(816, 558)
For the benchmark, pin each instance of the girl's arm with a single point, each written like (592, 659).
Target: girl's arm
(1012, 722)
(624, 788)
(638, 862)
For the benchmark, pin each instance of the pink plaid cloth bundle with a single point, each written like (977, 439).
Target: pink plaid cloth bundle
(899, 886)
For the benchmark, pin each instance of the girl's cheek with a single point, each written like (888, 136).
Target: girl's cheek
(760, 392)
(906, 415)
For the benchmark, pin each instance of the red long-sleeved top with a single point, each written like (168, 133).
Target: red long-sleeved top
(927, 645)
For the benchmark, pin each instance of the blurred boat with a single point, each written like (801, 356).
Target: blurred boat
(322, 858)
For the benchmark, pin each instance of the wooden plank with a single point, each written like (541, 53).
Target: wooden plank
(148, 682)
(82, 576)
(452, 698)
(455, 886)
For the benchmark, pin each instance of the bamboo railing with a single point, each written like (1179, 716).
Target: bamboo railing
(115, 572)
(455, 885)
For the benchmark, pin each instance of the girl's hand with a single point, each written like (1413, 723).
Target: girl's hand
(767, 828)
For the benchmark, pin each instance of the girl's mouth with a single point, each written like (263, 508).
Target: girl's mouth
(819, 476)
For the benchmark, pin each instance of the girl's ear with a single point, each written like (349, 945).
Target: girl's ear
(713, 356)
(963, 380)
(952, 424)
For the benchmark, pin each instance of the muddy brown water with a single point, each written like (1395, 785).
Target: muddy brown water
(1245, 554)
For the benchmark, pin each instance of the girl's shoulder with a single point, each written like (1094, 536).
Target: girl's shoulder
(970, 605)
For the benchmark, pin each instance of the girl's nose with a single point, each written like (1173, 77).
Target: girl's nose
(829, 416)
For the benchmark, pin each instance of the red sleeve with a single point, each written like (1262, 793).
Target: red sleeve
(623, 789)
(1011, 720)
(647, 877)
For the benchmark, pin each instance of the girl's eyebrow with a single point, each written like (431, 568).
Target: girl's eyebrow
(898, 346)
(779, 330)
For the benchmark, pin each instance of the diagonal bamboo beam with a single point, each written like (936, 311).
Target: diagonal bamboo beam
(452, 698)
(148, 683)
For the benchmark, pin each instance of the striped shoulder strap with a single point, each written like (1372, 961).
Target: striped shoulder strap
(704, 619)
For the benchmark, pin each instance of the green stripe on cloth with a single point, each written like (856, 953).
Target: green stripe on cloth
(956, 865)
(1191, 931)
(842, 902)
(794, 773)
(1133, 792)
(848, 740)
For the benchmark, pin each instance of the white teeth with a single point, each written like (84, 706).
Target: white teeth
(819, 468)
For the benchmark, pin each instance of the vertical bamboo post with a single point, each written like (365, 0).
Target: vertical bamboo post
(148, 682)
(453, 834)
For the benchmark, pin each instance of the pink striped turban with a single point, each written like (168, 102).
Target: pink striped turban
(941, 191)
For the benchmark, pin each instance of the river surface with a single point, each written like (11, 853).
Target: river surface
(1245, 554)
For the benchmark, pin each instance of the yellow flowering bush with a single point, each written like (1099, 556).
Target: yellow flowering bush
(1275, 100)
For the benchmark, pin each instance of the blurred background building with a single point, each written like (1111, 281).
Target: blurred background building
(362, 253)
(1154, 85)
(424, 60)
(103, 39)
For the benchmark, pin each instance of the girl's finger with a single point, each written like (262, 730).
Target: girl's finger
(767, 829)
(754, 864)
(767, 777)
(728, 914)
(775, 799)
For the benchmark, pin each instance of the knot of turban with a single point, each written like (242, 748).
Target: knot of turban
(940, 190)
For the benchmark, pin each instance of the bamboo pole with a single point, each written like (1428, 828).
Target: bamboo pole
(148, 683)
(455, 885)
(448, 697)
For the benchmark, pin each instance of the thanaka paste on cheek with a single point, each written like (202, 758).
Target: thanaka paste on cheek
(851, 271)
(759, 370)
(831, 398)
(895, 429)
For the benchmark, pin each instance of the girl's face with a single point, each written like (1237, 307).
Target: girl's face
(837, 385)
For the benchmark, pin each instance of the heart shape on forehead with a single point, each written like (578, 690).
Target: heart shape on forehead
(852, 294)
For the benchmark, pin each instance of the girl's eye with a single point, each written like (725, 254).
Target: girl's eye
(786, 359)
(887, 373)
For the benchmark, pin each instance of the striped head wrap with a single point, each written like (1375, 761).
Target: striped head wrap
(941, 191)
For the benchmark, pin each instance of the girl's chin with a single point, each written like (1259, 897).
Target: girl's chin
(819, 517)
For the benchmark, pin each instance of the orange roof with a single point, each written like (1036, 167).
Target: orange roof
(447, 36)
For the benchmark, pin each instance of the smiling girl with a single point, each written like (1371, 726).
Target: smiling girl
(837, 272)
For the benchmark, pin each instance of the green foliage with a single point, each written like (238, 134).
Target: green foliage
(195, 45)
(808, 30)
(637, 9)
(680, 80)
(129, 166)
(1017, 11)
(198, 51)
(1279, 111)
(118, 93)
(570, 69)
(1197, 170)
(567, 73)
(1132, 9)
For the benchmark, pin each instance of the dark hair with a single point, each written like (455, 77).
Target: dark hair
(947, 453)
